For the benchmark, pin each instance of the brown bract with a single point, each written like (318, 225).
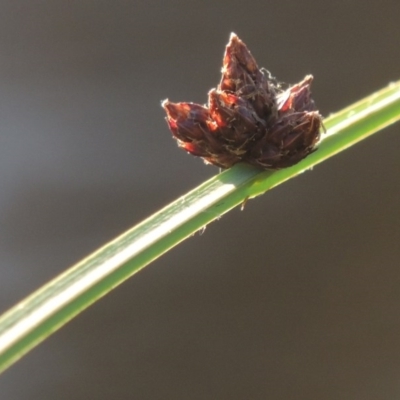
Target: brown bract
(249, 117)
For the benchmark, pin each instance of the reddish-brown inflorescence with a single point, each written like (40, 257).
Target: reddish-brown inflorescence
(249, 117)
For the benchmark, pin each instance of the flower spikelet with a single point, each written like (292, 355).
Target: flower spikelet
(249, 117)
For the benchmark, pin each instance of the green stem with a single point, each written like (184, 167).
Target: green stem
(46, 310)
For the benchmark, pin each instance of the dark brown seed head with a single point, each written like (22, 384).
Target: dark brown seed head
(248, 117)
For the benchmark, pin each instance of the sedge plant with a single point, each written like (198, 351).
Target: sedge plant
(53, 305)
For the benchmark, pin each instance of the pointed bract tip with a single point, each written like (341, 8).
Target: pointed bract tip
(172, 109)
(233, 36)
(307, 79)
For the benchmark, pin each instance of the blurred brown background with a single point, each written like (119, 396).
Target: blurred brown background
(297, 297)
